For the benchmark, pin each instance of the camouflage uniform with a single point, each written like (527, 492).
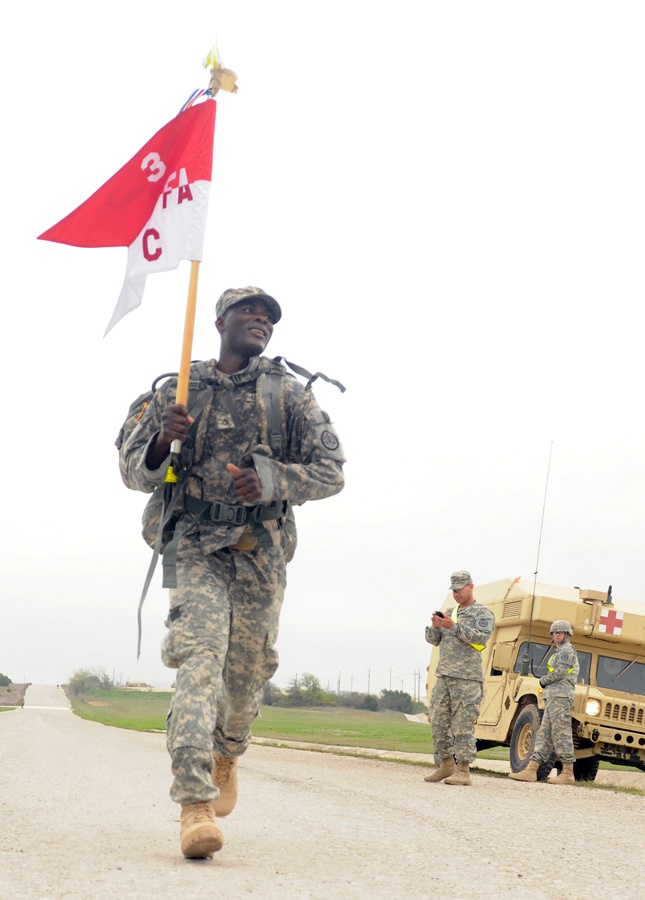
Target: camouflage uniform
(457, 694)
(559, 687)
(223, 619)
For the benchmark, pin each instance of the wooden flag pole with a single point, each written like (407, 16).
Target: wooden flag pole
(187, 344)
(189, 329)
(221, 79)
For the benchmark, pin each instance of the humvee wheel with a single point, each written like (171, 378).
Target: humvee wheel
(522, 742)
(584, 769)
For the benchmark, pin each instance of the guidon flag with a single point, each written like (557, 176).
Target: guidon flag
(155, 205)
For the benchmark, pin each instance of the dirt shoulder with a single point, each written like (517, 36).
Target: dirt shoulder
(13, 694)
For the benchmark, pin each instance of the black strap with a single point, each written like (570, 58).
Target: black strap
(271, 384)
(304, 373)
(170, 506)
(233, 515)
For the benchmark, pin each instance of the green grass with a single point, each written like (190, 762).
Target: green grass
(137, 710)
(329, 726)
(339, 727)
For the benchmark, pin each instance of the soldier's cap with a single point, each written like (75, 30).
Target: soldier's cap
(561, 625)
(237, 295)
(459, 580)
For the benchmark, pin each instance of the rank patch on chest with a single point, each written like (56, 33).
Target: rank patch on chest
(224, 421)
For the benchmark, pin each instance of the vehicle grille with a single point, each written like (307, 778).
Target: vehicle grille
(624, 712)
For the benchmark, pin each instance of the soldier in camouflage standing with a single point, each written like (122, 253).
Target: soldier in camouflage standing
(461, 635)
(555, 735)
(233, 536)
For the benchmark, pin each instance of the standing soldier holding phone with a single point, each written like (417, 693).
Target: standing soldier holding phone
(461, 635)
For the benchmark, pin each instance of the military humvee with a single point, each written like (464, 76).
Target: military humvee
(608, 719)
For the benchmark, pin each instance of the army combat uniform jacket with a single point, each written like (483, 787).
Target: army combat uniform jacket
(458, 658)
(233, 428)
(560, 680)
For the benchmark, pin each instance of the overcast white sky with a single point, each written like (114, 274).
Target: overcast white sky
(447, 200)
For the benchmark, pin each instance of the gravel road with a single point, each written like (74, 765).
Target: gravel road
(85, 813)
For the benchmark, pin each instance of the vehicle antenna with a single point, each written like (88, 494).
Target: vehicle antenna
(527, 658)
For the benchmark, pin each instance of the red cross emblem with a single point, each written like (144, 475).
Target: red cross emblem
(611, 621)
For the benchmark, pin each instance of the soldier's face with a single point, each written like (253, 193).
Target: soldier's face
(558, 637)
(246, 328)
(464, 595)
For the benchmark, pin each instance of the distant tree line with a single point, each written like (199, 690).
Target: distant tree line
(306, 690)
(5, 681)
(84, 681)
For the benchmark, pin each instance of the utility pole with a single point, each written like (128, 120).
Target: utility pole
(390, 679)
(338, 685)
(369, 672)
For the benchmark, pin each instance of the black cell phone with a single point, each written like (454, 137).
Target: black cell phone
(437, 613)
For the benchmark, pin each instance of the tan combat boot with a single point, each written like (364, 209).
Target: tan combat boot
(200, 837)
(566, 776)
(461, 776)
(446, 768)
(224, 777)
(527, 774)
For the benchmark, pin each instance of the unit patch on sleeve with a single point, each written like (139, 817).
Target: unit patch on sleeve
(329, 440)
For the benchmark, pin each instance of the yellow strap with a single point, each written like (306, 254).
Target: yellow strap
(453, 616)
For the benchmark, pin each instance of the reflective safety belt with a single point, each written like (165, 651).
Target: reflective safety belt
(552, 669)
(453, 616)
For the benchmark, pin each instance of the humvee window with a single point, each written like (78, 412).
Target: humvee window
(621, 675)
(540, 654)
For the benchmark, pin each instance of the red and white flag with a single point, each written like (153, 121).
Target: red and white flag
(155, 205)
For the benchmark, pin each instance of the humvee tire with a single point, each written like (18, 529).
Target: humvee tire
(584, 769)
(522, 742)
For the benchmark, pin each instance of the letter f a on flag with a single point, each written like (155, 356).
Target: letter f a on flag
(156, 205)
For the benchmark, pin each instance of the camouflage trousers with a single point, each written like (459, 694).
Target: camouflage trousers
(222, 629)
(454, 707)
(555, 735)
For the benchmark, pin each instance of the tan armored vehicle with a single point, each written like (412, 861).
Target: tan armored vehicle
(608, 718)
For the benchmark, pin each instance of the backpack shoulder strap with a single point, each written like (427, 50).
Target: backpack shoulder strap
(304, 373)
(271, 388)
(199, 390)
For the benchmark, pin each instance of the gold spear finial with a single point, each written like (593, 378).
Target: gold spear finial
(221, 79)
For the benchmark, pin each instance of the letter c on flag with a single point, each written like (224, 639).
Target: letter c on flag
(148, 252)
